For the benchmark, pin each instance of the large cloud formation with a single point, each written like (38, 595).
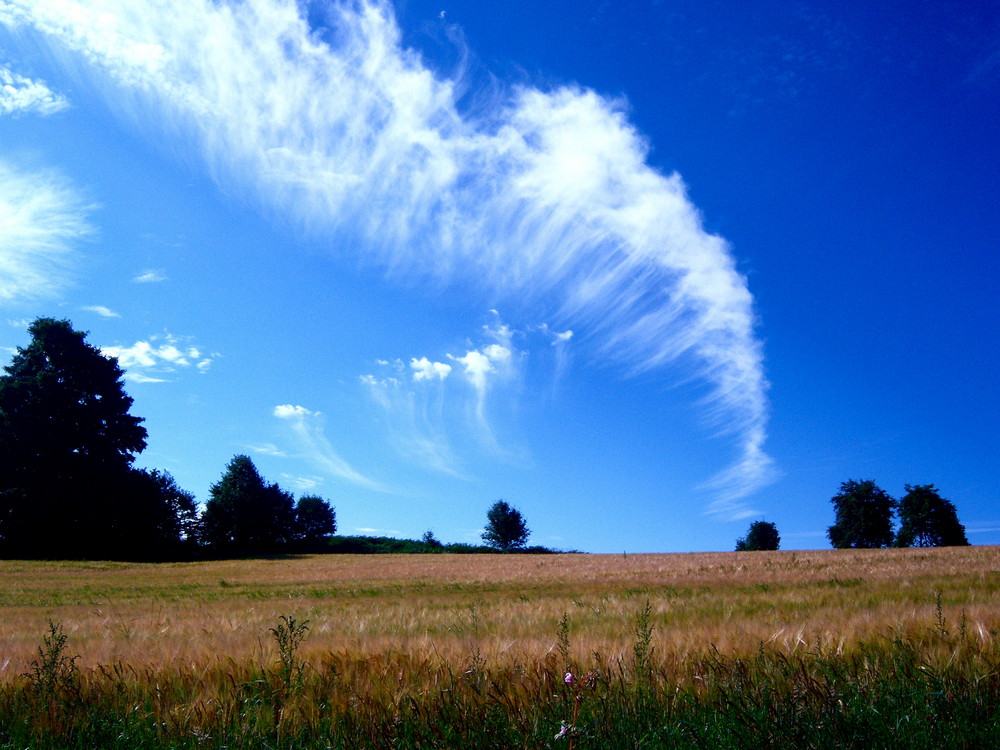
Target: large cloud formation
(542, 197)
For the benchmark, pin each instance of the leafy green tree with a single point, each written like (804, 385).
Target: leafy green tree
(928, 520)
(863, 516)
(315, 520)
(505, 527)
(762, 535)
(67, 443)
(246, 515)
(430, 541)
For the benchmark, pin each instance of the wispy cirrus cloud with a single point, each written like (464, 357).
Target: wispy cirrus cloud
(42, 218)
(438, 410)
(150, 361)
(20, 95)
(307, 429)
(543, 198)
(152, 276)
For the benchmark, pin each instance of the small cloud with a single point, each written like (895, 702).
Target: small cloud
(144, 361)
(104, 312)
(138, 377)
(23, 95)
(424, 369)
(302, 484)
(267, 449)
(287, 411)
(376, 532)
(151, 276)
(561, 338)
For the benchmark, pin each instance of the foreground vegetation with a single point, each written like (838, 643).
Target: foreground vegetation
(888, 648)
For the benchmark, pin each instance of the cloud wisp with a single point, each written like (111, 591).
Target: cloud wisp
(543, 199)
(42, 218)
(433, 406)
(307, 428)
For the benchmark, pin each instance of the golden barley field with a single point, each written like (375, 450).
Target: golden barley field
(504, 608)
(818, 649)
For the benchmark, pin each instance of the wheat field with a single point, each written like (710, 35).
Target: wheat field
(155, 614)
(433, 645)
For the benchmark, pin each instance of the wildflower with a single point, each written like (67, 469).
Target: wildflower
(569, 679)
(564, 729)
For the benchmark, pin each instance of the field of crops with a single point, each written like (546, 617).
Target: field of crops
(882, 648)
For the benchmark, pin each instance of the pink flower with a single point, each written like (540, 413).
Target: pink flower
(569, 679)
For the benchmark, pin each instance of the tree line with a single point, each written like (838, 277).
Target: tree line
(68, 487)
(69, 490)
(865, 517)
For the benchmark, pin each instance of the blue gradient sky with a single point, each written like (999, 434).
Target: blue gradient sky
(649, 271)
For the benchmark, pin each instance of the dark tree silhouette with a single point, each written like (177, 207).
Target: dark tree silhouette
(928, 520)
(244, 515)
(863, 516)
(762, 535)
(315, 521)
(67, 443)
(505, 527)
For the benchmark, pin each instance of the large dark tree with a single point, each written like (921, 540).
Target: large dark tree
(315, 522)
(505, 527)
(863, 516)
(928, 520)
(67, 443)
(762, 535)
(246, 515)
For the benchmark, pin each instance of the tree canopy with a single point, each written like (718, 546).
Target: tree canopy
(315, 521)
(246, 515)
(863, 516)
(505, 527)
(928, 520)
(67, 444)
(762, 535)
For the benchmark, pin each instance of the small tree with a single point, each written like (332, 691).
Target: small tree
(928, 520)
(505, 527)
(244, 514)
(762, 535)
(863, 516)
(315, 520)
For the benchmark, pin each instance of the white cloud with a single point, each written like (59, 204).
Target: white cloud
(302, 484)
(151, 276)
(415, 420)
(424, 369)
(542, 197)
(104, 312)
(42, 218)
(267, 449)
(436, 420)
(23, 95)
(307, 428)
(144, 361)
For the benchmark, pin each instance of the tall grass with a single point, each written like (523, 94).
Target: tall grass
(895, 649)
(932, 691)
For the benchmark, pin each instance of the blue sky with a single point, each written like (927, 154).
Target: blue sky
(649, 271)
